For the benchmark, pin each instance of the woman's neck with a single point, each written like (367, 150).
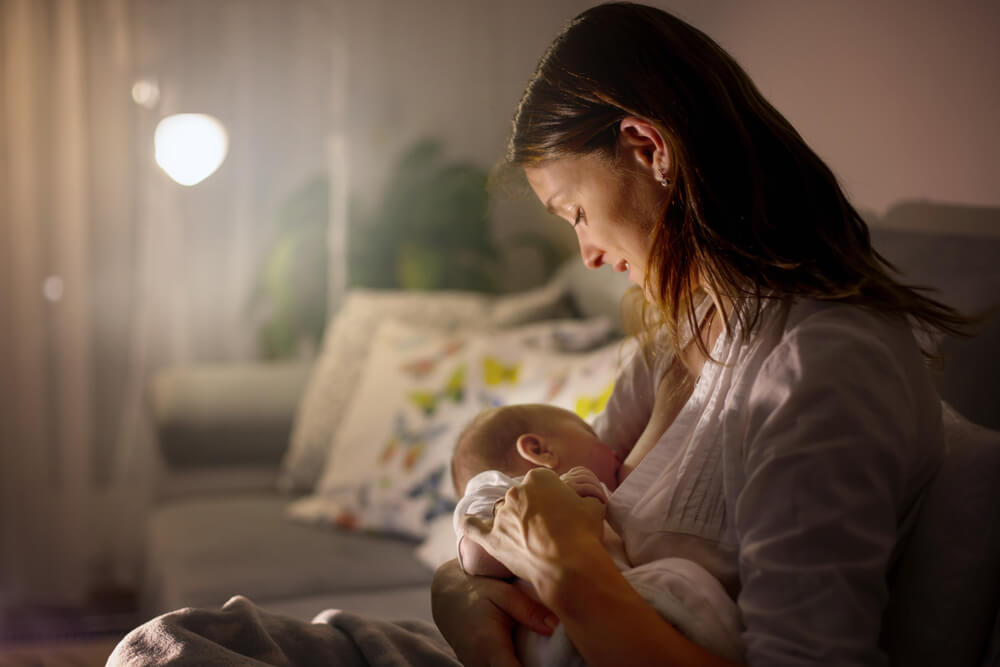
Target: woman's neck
(674, 389)
(693, 355)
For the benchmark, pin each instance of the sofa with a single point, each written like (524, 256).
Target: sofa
(237, 515)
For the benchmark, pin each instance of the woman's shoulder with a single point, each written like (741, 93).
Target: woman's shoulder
(834, 370)
(816, 328)
(813, 313)
(844, 345)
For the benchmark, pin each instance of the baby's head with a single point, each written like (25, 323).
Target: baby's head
(516, 438)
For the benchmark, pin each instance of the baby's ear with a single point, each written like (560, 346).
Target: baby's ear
(535, 450)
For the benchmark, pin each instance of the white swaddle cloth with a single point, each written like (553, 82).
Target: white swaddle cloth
(682, 592)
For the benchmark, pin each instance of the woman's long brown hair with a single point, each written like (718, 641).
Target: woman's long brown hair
(751, 207)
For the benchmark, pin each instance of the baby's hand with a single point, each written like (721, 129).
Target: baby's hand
(585, 483)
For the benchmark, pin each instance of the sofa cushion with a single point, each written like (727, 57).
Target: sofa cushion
(202, 552)
(346, 346)
(943, 605)
(388, 470)
(969, 373)
(962, 270)
(212, 415)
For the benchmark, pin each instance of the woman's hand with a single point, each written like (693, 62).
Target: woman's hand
(477, 614)
(539, 527)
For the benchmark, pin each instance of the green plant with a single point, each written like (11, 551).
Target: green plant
(291, 286)
(430, 230)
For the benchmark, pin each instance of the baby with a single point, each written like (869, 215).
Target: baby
(501, 445)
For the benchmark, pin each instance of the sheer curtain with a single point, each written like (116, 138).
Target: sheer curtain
(109, 269)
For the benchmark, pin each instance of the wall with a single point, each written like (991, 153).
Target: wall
(898, 97)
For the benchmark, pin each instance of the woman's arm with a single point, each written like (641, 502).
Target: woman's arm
(840, 422)
(547, 534)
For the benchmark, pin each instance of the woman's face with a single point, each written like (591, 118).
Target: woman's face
(612, 209)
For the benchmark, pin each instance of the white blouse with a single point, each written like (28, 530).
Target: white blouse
(789, 474)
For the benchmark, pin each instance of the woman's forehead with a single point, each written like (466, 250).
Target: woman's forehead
(547, 180)
(555, 180)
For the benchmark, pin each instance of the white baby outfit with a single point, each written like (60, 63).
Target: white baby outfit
(679, 589)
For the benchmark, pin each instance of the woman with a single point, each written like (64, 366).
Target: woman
(808, 427)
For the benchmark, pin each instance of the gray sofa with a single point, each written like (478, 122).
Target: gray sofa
(219, 528)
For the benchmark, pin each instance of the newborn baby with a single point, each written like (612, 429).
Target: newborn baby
(501, 445)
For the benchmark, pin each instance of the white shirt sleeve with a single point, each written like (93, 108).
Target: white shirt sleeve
(833, 455)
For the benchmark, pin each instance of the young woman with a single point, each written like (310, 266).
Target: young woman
(809, 426)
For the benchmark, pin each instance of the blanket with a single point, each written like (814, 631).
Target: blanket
(240, 633)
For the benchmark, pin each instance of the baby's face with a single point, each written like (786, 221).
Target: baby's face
(577, 445)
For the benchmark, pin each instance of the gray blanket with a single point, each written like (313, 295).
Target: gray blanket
(243, 634)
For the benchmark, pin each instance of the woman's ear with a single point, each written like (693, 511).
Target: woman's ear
(643, 141)
(536, 451)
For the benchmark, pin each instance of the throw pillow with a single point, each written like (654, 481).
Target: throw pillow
(388, 470)
(345, 348)
(348, 340)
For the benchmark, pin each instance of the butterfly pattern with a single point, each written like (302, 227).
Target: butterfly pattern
(593, 405)
(422, 367)
(429, 488)
(432, 386)
(453, 390)
(409, 444)
(496, 372)
(556, 384)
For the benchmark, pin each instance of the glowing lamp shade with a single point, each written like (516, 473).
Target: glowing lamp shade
(190, 146)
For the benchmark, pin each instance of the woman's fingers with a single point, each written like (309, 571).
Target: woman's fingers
(539, 521)
(519, 606)
(476, 616)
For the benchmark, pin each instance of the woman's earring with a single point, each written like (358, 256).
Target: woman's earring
(664, 181)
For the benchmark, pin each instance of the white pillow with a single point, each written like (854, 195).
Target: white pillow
(393, 445)
(347, 342)
(440, 545)
(388, 470)
(345, 348)
(508, 369)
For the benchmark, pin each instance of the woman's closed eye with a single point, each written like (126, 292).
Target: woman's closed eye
(578, 218)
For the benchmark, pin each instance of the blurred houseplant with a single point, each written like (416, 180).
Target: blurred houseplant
(430, 230)
(291, 287)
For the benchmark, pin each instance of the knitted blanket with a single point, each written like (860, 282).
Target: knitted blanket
(240, 633)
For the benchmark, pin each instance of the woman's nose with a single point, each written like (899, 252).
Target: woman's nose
(592, 256)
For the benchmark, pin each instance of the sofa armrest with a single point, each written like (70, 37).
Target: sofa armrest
(226, 414)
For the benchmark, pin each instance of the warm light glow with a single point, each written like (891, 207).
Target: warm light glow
(190, 146)
(146, 93)
(53, 288)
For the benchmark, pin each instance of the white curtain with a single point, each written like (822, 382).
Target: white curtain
(109, 270)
